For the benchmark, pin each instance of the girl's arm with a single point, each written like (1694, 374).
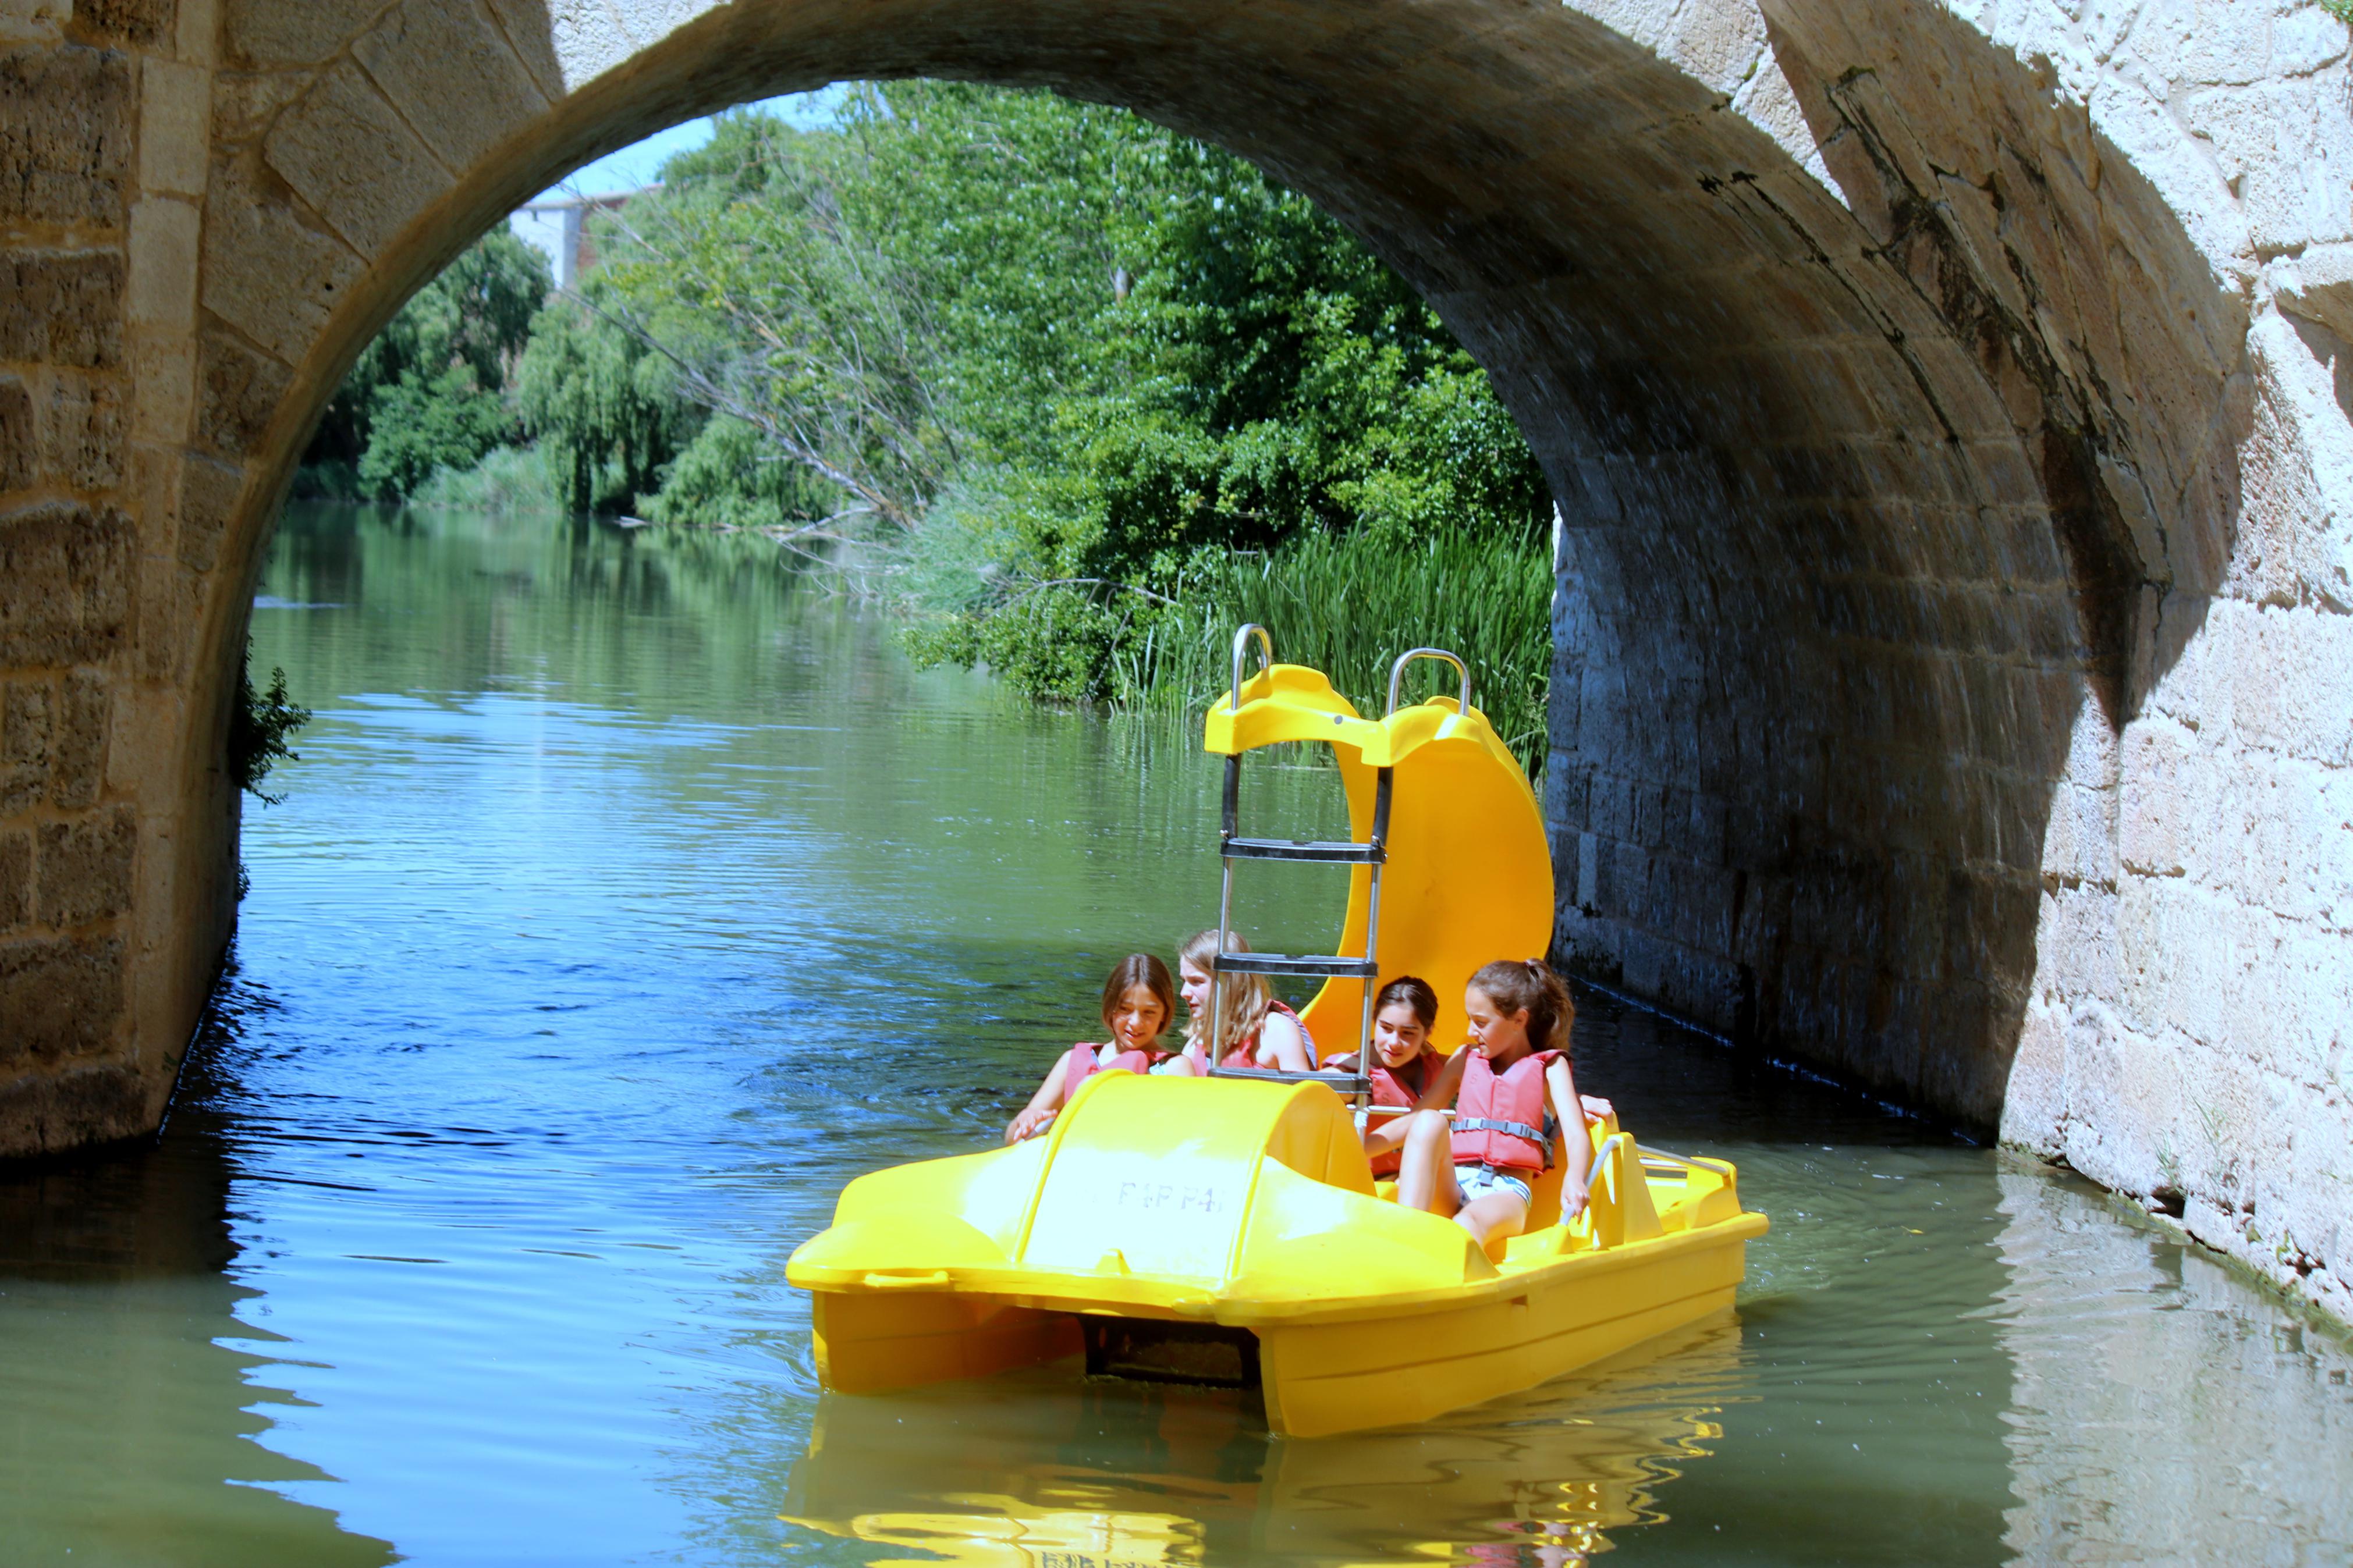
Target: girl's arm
(1042, 1104)
(1439, 1095)
(1576, 1144)
(1281, 1038)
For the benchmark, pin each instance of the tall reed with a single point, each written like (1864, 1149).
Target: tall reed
(1348, 605)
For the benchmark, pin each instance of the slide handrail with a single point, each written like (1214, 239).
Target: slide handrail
(1396, 671)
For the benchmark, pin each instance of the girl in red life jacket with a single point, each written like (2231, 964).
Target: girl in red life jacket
(1510, 1090)
(1405, 1064)
(1260, 1030)
(1138, 1002)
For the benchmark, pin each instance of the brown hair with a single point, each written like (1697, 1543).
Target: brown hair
(1513, 983)
(1139, 969)
(1242, 999)
(1415, 993)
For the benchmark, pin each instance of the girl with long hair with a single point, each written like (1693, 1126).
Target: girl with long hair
(1138, 1003)
(1259, 1028)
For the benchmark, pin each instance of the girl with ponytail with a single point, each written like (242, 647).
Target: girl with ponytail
(1512, 1093)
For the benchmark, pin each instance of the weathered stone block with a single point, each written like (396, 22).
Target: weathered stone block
(447, 67)
(25, 709)
(239, 391)
(524, 23)
(59, 996)
(65, 135)
(347, 153)
(208, 493)
(78, 739)
(62, 308)
(65, 584)
(164, 395)
(175, 107)
(20, 441)
(272, 33)
(245, 104)
(16, 878)
(162, 253)
(83, 870)
(83, 441)
(266, 272)
(138, 21)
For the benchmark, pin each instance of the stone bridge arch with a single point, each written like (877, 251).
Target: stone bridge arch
(1945, 413)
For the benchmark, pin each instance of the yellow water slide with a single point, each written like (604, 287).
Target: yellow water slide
(1465, 876)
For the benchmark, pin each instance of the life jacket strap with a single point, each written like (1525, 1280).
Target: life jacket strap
(1540, 1136)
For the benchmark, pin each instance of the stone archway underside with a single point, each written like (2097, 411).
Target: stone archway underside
(1952, 486)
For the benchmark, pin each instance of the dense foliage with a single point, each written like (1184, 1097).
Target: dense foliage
(429, 392)
(1063, 365)
(1074, 391)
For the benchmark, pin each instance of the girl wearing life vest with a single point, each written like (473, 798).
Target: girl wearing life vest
(1511, 1091)
(1405, 1064)
(1138, 1002)
(1260, 1030)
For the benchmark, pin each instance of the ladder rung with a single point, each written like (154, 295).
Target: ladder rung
(1347, 1082)
(1342, 852)
(1297, 963)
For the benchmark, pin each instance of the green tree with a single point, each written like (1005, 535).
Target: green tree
(428, 390)
(604, 408)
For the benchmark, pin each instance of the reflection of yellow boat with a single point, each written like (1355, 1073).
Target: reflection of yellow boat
(1024, 1472)
(1217, 1230)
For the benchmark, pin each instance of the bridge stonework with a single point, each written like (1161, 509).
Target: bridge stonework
(1947, 408)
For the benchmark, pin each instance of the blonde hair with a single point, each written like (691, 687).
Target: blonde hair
(1243, 1000)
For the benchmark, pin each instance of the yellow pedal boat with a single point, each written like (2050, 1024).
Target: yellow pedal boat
(1229, 1229)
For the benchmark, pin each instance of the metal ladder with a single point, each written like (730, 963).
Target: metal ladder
(1372, 852)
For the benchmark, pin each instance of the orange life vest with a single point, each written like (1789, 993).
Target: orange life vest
(1245, 1055)
(1083, 1062)
(1502, 1119)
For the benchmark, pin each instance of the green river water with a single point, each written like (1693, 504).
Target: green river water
(629, 897)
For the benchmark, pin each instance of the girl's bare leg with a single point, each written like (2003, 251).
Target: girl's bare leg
(1497, 1215)
(1426, 1178)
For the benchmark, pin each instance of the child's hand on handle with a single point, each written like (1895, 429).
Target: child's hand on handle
(1596, 1109)
(1030, 1123)
(1572, 1198)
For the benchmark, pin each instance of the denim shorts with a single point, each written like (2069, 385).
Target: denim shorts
(1476, 1182)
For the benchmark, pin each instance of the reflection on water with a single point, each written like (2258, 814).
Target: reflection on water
(2164, 1413)
(629, 899)
(1038, 1469)
(132, 1393)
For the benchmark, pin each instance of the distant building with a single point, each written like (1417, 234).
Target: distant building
(558, 229)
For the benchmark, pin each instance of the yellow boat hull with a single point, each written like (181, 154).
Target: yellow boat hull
(1250, 1207)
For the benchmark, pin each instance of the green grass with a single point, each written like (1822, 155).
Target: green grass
(1348, 605)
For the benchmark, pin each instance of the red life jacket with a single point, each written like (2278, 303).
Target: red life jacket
(1245, 1055)
(1392, 1088)
(1503, 1121)
(1083, 1063)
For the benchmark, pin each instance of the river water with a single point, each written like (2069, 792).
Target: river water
(629, 897)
